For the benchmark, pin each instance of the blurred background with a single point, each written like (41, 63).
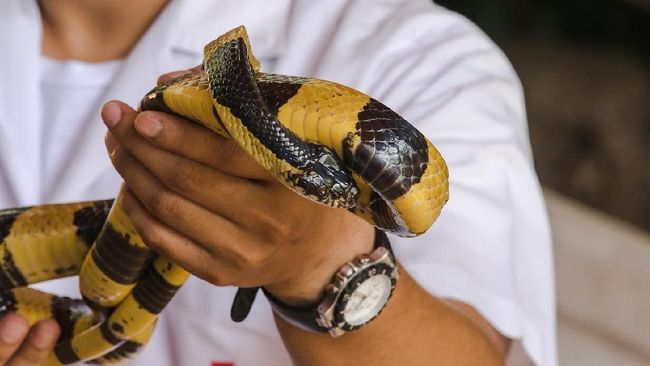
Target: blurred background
(585, 68)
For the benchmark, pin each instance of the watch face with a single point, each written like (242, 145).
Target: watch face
(365, 296)
(367, 300)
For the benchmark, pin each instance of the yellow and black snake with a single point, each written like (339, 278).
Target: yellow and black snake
(325, 141)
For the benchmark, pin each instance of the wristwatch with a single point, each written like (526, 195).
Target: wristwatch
(359, 291)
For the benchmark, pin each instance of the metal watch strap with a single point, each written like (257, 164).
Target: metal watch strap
(304, 317)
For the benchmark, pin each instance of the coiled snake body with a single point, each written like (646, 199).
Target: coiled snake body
(325, 141)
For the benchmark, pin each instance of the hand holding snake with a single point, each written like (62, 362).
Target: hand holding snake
(218, 214)
(218, 204)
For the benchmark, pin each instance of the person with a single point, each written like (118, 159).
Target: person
(478, 281)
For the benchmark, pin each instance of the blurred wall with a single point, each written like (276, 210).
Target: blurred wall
(585, 70)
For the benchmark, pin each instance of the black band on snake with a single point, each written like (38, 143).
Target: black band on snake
(325, 141)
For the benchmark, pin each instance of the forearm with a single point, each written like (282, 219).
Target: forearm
(414, 329)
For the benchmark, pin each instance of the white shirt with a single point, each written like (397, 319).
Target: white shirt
(70, 90)
(490, 247)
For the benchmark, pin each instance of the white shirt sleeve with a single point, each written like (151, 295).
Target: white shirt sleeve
(491, 246)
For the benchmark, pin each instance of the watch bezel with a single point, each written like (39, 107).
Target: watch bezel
(377, 269)
(346, 280)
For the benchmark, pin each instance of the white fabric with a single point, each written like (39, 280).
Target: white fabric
(491, 246)
(70, 90)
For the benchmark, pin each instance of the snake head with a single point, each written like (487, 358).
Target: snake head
(328, 182)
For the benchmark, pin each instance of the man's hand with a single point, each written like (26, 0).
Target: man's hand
(201, 200)
(22, 346)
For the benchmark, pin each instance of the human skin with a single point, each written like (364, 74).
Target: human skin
(199, 199)
(95, 31)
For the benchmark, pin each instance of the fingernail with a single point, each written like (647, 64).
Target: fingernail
(45, 336)
(112, 114)
(12, 331)
(111, 142)
(148, 127)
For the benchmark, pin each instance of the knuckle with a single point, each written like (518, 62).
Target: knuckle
(271, 224)
(207, 270)
(173, 136)
(163, 204)
(150, 235)
(122, 160)
(231, 154)
(176, 177)
(258, 259)
(184, 174)
(227, 188)
(244, 264)
(28, 355)
(229, 150)
(218, 278)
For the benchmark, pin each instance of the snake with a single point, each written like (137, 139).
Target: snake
(327, 142)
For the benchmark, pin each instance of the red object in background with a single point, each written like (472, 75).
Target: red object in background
(219, 363)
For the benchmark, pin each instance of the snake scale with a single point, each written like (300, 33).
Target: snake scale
(325, 141)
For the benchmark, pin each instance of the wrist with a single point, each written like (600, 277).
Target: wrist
(307, 285)
(355, 295)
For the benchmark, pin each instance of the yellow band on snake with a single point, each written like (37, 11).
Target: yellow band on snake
(325, 141)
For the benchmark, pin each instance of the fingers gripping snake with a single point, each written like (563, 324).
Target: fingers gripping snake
(325, 141)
